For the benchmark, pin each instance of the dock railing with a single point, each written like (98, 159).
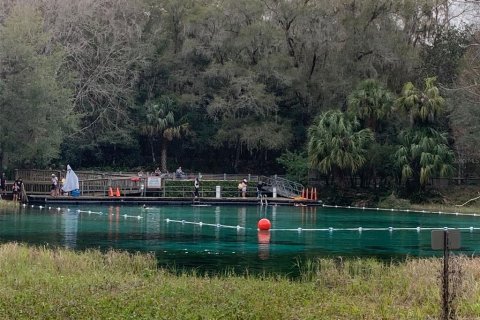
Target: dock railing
(130, 183)
(284, 187)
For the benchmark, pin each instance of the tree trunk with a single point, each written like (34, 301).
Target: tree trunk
(153, 152)
(237, 155)
(163, 158)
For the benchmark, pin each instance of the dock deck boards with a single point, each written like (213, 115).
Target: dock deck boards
(47, 199)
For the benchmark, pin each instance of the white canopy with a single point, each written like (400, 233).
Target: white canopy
(71, 180)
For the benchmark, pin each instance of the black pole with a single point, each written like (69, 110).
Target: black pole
(446, 307)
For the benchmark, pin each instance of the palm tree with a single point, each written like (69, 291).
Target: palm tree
(335, 145)
(422, 106)
(424, 153)
(370, 102)
(160, 122)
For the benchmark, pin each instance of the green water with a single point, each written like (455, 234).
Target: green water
(227, 238)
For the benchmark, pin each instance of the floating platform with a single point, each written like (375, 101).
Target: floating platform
(47, 199)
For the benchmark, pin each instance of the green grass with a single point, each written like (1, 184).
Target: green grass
(40, 283)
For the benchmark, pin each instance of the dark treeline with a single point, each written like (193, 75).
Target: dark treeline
(384, 91)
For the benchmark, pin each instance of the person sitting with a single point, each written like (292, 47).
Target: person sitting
(158, 172)
(179, 173)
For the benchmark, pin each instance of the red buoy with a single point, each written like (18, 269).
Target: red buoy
(264, 224)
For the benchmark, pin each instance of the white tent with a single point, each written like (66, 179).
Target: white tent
(71, 181)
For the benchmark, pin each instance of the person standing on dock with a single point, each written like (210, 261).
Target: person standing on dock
(259, 189)
(244, 188)
(196, 185)
(15, 190)
(54, 186)
(22, 195)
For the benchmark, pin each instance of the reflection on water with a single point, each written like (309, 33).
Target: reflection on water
(226, 237)
(70, 222)
(263, 244)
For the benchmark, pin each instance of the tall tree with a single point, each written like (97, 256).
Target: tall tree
(105, 51)
(247, 115)
(160, 123)
(422, 106)
(336, 144)
(34, 96)
(424, 151)
(370, 102)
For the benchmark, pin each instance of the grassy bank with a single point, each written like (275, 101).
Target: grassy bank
(460, 199)
(39, 283)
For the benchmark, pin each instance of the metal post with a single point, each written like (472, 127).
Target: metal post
(446, 295)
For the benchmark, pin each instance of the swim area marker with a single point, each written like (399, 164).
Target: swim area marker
(299, 229)
(330, 229)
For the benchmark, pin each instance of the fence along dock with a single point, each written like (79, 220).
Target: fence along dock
(97, 184)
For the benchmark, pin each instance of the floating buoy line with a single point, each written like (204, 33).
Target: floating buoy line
(201, 224)
(299, 229)
(83, 211)
(390, 229)
(400, 210)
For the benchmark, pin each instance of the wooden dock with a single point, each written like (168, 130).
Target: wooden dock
(252, 201)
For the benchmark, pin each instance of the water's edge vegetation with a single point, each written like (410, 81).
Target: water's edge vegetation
(37, 282)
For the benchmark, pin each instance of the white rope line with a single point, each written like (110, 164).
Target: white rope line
(390, 229)
(112, 214)
(206, 224)
(399, 210)
(330, 229)
(359, 229)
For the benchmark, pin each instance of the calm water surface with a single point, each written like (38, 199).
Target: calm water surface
(227, 238)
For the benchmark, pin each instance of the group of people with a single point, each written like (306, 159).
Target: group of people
(66, 185)
(242, 188)
(17, 188)
(179, 174)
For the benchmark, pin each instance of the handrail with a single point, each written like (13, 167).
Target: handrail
(284, 187)
(41, 175)
(98, 183)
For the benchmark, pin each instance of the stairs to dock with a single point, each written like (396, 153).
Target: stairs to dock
(285, 188)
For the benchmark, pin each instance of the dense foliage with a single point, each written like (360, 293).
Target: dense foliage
(229, 85)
